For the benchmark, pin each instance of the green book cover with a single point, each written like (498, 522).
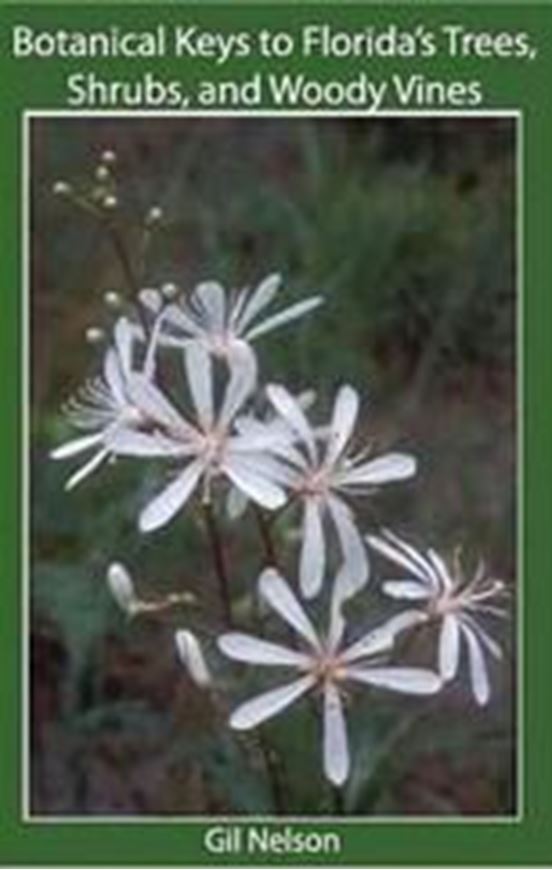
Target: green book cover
(275, 496)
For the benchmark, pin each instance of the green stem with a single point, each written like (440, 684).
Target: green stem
(266, 537)
(338, 804)
(219, 562)
(127, 269)
(123, 257)
(274, 774)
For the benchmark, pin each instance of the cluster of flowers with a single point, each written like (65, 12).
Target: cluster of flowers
(272, 459)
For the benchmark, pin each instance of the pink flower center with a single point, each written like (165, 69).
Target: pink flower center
(328, 667)
(315, 482)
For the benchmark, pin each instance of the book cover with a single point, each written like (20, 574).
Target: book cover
(276, 340)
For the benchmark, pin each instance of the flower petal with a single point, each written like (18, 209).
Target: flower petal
(265, 438)
(411, 681)
(289, 408)
(313, 550)
(383, 637)
(259, 299)
(165, 505)
(243, 376)
(153, 404)
(478, 669)
(483, 636)
(385, 469)
(124, 334)
(236, 503)
(150, 361)
(449, 647)
(336, 626)
(403, 554)
(344, 417)
(175, 316)
(355, 570)
(200, 381)
(86, 469)
(211, 297)
(114, 376)
(270, 438)
(76, 445)
(246, 648)
(191, 656)
(237, 304)
(277, 593)
(409, 589)
(336, 748)
(264, 706)
(285, 316)
(260, 463)
(441, 568)
(256, 486)
(129, 442)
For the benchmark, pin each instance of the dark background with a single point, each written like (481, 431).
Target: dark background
(407, 227)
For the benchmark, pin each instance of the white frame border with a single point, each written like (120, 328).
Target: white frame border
(27, 116)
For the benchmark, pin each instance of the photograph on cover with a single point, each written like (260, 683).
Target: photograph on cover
(273, 436)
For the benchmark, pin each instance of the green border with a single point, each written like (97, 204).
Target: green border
(39, 85)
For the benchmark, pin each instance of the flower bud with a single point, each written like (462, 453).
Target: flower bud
(94, 334)
(150, 298)
(191, 656)
(102, 173)
(108, 156)
(121, 587)
(154, 215)
(112, 299)
(110, 202)
(169, 290)
(61, 188)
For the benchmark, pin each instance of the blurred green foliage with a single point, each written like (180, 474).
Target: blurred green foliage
(407, 227)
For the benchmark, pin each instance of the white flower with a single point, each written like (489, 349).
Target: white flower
(323, 663)
(123, 400)
(223, 324)
(272, 430)
(320, 476)
(208, 444)
(191, 656)
(452, 600)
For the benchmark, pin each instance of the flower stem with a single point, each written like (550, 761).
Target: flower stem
(274, 774)
(219, 562)
(123, 257)
(337, 801)
(127, 269)
(266, 537)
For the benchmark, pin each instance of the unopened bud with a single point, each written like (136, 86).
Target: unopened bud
(151, 298)
(169, 290)
(110, 202)
(61, 188)
(191, 656)
(121, 587)
(94, 334)
(108, 156)
(154, 215)
(112, 299)
(102, 173)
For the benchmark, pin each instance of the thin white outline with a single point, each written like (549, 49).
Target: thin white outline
(276, 821)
